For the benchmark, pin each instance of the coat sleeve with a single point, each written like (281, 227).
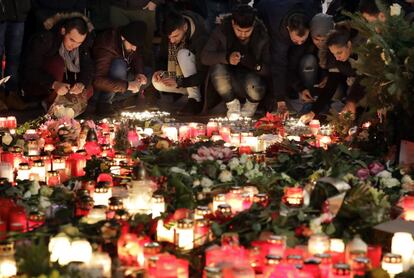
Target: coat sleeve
(214, 51)
(87, 67)
(33, 71)
(102, 80)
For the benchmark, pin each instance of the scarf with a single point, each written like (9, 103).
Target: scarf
(71, 59)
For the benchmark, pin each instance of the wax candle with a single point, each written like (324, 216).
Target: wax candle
(185, 234)
(293, 196)
(157, 205)
(170, 132)
(184, 133)
(318, 244)
(314, 126)
(11, 122)
(36, 219)
(218, 199)
(392, 263)
(407, 203)
(403, 244)
(101, 194)
(6, 171)
(166, 234)
(3, 121)
(201, 212)
(38, 171)
(52, 178)
(225, 133)
(212, 127)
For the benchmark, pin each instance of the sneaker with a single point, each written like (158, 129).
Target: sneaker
(192, 107)
(249, 108)
(233, 109)
(15, 102)
(3, 106)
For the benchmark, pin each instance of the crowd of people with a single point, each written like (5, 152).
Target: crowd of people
(280, 55)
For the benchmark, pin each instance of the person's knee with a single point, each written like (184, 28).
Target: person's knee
(219, 70)
(184, 55)
(157, 84)
(255, 87)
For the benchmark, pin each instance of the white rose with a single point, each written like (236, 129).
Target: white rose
(233, 163)
(62, 112)
(395, 10)
(384, 174)
(243, 158)
(34, 188)
(249, 165)
(27, 195)
(44, 202)
(225, 176)
(178, 170)
(315, 225)
(390, 182)
(407, 179)
(7, 139)
(196, 183)
(206, 182)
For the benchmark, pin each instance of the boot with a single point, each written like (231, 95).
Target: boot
(249, 108)
(192, 107)
(233, 109)
(15, 102)
(3, 106)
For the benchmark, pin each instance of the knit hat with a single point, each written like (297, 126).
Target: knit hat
(134, 32)
(321, 24)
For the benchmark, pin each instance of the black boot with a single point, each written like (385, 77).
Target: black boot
(192, 107)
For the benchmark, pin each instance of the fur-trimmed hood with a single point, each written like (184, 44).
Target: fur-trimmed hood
(58, 19)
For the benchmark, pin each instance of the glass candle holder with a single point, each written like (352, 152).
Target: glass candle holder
(52, 178)
(157, 205)
(341, 271)
(201, 212)
(38, 171)
(293, 196)
(101, 194)
(219, 199)
(24, 171)
(185, 234)
(201, 232)
(392, 263)
(318, 244)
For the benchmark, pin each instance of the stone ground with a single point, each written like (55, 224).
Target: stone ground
(166, 103)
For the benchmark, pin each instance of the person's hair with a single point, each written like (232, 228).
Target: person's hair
(173, 20)
(369, 7)
(77, 23)
(244, 16)
(298, 23)
(340, 36)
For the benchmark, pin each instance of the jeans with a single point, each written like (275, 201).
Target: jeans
(11, 40)
(118, 70)
(237, 83)
(187, 62)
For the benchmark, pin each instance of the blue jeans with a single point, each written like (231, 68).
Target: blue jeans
(231, 83)
(11, 41)
(118, 70)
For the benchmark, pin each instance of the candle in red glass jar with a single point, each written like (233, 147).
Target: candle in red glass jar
(184, 133)
(52, 178)
(212, 127)
(11, 122)
(374, 254)
(76, 162)
(245, 150)
(3, 122)
(17, 220)
(133, 138)
(407, 203)
(36, 219)
(293, 196)
(225, 133)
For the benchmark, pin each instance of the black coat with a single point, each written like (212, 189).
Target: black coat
(134, 4)
(275, 14)
(14, 10)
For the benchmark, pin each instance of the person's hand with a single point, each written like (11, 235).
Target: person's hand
(151, 6)
(169, 82)
(234, 58)
(282, 110)
(134, 86)
(322, 84)
(77, 89)
(61, 88)
(306, 96)
(306, 118)
(350, 107)
(141, 78)
(158, 76)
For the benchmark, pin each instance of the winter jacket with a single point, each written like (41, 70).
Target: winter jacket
(223, 42)
(134, 4)
(107, 47)
(46, 44)
(197, 37)
(14, 10)
(275, 14)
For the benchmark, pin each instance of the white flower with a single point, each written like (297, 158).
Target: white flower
(44, 202)
(406, 179)
(225, 176)
(390, 182)
(222, 167)
(196, 183)
(384, 174)
(348, 177)
(243, 158)
(7, 139)
(63, 112)
(249, 165)
(233, 163)
(27, 195)
(178, 170)
(395, 10)
(34, 188)
(206, 189)
(206, 182)
(315, 225)
(46, 191)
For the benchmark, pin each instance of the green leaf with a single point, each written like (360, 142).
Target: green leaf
(257, 227)
(217, 231)
(330, 229)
